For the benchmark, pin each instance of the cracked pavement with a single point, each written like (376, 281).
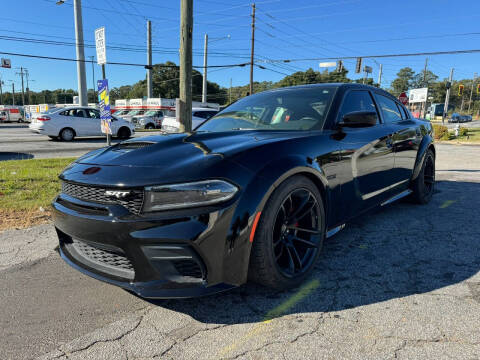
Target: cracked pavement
(402, 282)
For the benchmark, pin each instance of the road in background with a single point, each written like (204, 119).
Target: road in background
(402, 282)
(18, 142)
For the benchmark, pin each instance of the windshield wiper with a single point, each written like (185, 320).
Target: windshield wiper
(243, 128)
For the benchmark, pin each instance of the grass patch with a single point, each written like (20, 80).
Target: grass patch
(472, 136)
(27, 187)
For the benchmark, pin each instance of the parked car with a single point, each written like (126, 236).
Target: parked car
(132, 113)
(152, 119)
(12, 114)
(68, 123)
(455, 118)
(252, 194)
(467, 118)
(199, 116)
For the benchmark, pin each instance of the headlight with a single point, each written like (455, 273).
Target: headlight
(187, 195)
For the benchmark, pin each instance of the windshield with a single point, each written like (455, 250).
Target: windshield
(135, 112)
(290, 109)
(151, 113)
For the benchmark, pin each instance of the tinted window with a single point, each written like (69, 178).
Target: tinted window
(357, 100)
(291, 109)
(94, 114)
(389, 109)
(65, 113)
(200, 114)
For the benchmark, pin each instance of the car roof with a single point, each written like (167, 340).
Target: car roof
(77, 107)
(333, 85)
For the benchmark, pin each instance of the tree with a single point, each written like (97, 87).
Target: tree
(403, 81)
(418, 82)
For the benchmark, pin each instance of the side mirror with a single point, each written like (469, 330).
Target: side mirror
(359, 119)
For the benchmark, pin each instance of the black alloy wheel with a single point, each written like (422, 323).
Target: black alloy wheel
(289, 235)
(424, 185)
(296, 234)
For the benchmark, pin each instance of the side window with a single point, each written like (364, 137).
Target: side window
(389, 109)
(404, 112)
(357, 100)
(94, 114)
(64, 113)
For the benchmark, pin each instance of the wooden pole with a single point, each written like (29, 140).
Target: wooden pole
(252, 49)
(184, 109)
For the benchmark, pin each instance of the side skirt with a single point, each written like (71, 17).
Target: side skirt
(397, 197)
(333, 231)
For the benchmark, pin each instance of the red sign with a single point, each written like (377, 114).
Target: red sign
(403, 98)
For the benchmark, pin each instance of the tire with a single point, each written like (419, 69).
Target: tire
(124, 133)
(149, 126)
(423, 186)
(272, 247)
(67, 134)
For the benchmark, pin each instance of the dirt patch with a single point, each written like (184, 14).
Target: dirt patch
(21, 219)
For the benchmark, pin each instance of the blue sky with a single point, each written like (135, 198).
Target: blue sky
(285, 30)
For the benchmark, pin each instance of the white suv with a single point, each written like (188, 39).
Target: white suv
(68, 123)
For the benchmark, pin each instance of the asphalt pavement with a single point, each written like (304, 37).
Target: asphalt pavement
(18, 142)
(402, 282)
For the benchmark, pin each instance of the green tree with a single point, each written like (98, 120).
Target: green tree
(403, 81)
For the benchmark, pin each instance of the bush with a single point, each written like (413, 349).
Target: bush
(440, 132)
(463, 131)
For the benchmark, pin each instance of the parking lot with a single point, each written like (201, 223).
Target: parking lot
(402, 282)
(18, 142)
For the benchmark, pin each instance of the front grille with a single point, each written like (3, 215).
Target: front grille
(188, 268)
(133, 201)
(106, 258)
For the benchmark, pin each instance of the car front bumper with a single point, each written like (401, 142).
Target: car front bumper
(174, 255)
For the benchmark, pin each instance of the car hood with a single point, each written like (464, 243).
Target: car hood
(182, 149)
(171, 157)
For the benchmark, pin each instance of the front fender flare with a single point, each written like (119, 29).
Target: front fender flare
(426, 143)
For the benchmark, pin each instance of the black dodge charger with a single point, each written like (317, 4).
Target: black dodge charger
(250, 194)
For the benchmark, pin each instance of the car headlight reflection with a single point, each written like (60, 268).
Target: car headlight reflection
(194, 194)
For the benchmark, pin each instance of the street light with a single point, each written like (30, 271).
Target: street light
(81, 77)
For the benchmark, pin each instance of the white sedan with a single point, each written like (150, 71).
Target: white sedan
(199, 116)
(68, 123)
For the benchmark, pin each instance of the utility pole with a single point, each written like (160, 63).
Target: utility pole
(13, 93)
(471, 91)
(28, 88)
(1, 91)
(204, 84)
(425, 84)
(23, 91)
(447, 97)
(149, 59)
(92, 59)
(81, 77)
(380, 76)
(184, 108)
(252, 49)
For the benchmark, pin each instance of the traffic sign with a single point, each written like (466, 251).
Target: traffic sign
(403, 98)
(368, 69)
(6, 63)
(327, 64)
(100, 46)
(460, 89)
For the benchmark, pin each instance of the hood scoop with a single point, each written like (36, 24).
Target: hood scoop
(130, 145)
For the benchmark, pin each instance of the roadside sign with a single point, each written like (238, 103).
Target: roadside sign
(104, 102)
(6, 63)
(327, 64)
(418, 95)
(100, 46)
(368, 69)
(403, 98)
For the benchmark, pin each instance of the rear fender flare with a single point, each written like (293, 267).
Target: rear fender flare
(427, 143)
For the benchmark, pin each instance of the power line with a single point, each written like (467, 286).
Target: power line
(117, 63)
(432, 53)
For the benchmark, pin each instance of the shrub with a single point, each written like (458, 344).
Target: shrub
(440, 132)
(463, 131)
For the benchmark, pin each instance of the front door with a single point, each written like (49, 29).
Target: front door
(367, 154)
